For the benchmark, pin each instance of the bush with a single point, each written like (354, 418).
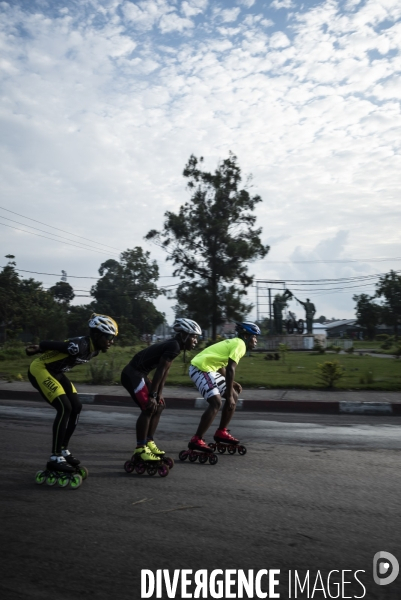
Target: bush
(388, 342)
(329, 373)
(367, 377)
(334, 348)
(13, 350)
(349, 350)
(283, 349)
(101, 373)
(381, 337)
(318, 347)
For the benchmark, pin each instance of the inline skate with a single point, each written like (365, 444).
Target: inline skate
(198, 450)
(223, 440)
(59, 472)
(144, 460)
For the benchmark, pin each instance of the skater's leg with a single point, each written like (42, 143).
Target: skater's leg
(139, 392)
(53, 394)
(227, 413)
(63, 408)
(154, 421)
(142, 427)
(76, 407)
(209, 415)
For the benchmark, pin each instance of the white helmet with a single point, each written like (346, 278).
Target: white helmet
(187, 326)
(104, 324)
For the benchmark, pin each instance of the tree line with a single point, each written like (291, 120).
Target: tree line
(210, 241)
(370, 313)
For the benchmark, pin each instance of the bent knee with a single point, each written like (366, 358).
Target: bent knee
(215, 402)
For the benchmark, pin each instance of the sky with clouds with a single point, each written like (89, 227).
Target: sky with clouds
(103, 101)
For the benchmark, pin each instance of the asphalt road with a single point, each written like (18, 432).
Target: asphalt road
(313, 493)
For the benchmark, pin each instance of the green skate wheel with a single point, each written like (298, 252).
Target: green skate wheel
(241, 450)
(203, 459)
(232, 449)
(40, 477)
(75, 481)
(51, 479)
(163, 470)
(152, 470)
(83, 471)
(213, 459)
(63, 481)
(183, 455)
(221, 449)
(193, 457)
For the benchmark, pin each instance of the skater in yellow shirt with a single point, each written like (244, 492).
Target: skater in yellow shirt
(212, 371)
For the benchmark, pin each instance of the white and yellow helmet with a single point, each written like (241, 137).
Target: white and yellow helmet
(104, 324)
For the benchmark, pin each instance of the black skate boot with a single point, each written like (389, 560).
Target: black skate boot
(58, 464)
(71, 460)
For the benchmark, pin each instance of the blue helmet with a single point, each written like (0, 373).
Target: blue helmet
(247, 327)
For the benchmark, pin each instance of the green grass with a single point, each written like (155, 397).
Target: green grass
(365, 344)
(298, 371)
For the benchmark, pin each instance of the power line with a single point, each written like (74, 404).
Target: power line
(84, 246)
(58, 229)
(74, 276)
(53, 240)
(323, 261)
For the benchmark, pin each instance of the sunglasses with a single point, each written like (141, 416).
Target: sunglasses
(109, 336)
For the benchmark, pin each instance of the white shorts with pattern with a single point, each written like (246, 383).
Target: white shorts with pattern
(209, 384)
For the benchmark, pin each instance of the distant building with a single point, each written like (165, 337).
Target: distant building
(345, 328)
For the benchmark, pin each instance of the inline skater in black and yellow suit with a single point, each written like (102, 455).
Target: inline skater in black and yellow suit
(47, 375)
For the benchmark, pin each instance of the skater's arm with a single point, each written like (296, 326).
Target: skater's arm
(47, 345)
(230, 372)
(160, 377)
(51, 345)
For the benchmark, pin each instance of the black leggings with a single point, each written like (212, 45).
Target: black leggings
(68, 407)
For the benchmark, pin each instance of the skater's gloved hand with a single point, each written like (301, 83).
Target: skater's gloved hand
(31, 350)
(237, 387)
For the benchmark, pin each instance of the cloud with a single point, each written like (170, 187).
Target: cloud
(279, 40)
(229, 15)
(101, 110)
(161, 13)
(193, 7)
(277, 4)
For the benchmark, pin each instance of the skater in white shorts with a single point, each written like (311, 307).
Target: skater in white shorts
(212, 371)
